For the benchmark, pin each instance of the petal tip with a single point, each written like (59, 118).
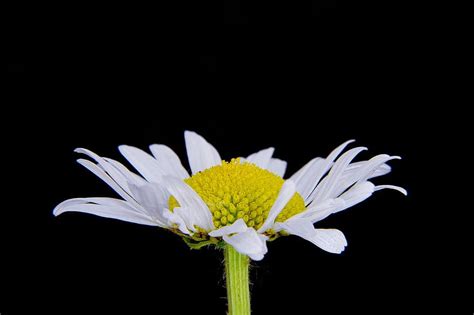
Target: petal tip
(401, 190)
(348, 142)
(58, 210)
(81, 150)
(123, 147)
(83, 162)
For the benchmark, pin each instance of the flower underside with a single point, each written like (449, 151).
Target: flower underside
(235, 190)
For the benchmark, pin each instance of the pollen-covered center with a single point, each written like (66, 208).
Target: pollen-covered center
(236, 190)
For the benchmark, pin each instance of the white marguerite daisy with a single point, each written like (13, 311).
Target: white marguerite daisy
(244, 202)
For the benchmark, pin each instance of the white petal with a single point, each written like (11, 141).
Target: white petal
(356, 194)
(169, 161)
(397, 188)
(330, 240)
(261, 158)
(238, 226)
(173, 218)
(383, 169)
(332, 156)
(193, 209)
(380, 171)
(99, 172)
(248, 243)
(296, 176)
(361, 174)
(286, 193)
(106, 209)
(307, 178)
(112, 171)
(321, 211)
(264, 160)
(153, 198)
(129, 175)
(324, 189)
(310, 177)
(144, 163)
(335, 153)
(372, 165)
(201, 154)
(277, 166)
(264, 239)
(188, 217)
(97, 200)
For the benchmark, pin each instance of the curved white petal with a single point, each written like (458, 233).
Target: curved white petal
(297, 176)
(104, 207)
(249, 243)
(99, 172)
(308, 177)
(150, 195)
(263, 239)
(383, 169)
(261, 158)
(324, 189)
(193, 209)
(188, 217)
(380, 171)
(397, 188)
(129, 175)
(238, 226)
(353, 196)
(361, 174)
(201, 154)
(173, 218)
(373, 164)
(277, 166)
(330, 240)
(112, 171)
(321, 211)
(105, 201)
(168, 161)
(143, 162)
(153, 198)
(264, 160)
(356, 194)
(337, 151)
(286, 193)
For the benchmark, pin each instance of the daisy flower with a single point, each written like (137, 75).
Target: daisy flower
(239, 204)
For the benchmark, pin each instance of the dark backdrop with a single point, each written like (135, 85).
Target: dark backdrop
(300, 77)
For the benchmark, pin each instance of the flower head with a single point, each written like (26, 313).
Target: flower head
(244, 202)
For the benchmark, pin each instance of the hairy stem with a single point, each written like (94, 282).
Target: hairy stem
(237, 280)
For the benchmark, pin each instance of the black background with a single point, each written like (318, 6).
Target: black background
(301, 77)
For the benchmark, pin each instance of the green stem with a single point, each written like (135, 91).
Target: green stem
(237, 279)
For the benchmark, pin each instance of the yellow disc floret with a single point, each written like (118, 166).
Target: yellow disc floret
(236, 190)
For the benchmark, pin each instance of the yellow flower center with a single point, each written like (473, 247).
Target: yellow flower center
(236, 190)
